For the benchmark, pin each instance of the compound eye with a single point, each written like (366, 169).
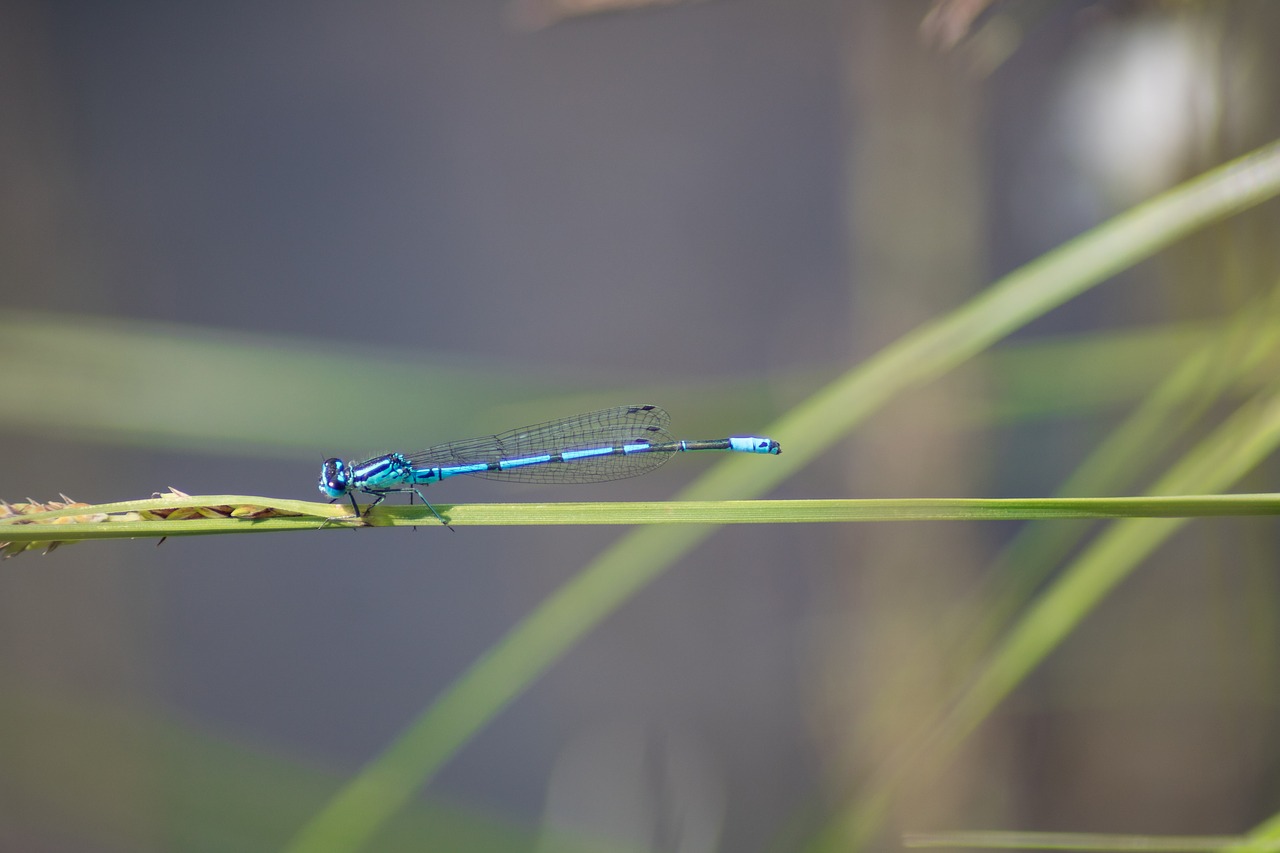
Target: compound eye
(333, 478)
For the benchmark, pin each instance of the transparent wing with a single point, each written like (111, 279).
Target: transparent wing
(605, 428)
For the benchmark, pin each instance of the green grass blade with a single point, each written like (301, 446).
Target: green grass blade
(235, 514)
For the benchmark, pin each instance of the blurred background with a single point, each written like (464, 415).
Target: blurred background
(236, 238)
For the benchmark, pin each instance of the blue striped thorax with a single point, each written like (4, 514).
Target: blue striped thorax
(384, 472)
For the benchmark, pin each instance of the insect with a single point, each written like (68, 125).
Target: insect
(610, 444)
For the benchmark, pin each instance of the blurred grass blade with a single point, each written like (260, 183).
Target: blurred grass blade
(1168, 414)
(1108, 369)
(152, 384)
(1025, 294)
(211, 793)
(204, 390)
(1235, 448)
(389, 781)
(1087, 841)
(1265, 838)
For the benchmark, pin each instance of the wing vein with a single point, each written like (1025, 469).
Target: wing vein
(607, 427)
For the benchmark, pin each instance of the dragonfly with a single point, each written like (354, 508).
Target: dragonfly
(610, 444)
